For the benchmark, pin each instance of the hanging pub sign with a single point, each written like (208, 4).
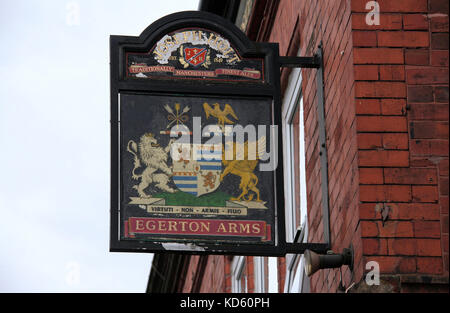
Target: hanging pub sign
(195, 160)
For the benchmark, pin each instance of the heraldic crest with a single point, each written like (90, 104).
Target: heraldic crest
(185, 172)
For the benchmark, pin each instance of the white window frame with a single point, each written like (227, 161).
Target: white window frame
(291, 98)
(237, 270)
(259, 263)
(295, 279)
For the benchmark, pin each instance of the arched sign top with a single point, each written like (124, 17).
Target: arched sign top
(196, 19)
(193, 45)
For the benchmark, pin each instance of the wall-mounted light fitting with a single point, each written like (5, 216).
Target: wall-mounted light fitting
(315, 262)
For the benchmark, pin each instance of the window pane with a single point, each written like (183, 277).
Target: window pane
(273, 275)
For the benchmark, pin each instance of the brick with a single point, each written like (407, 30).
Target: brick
(380, 90)
(443, 202)
(420, 94)
(424, 193)
(429, 75)
(368, 106)
(417, 161)
(415, 211)
(382, 158)
(392, 6)
(429, 265)
(428, 130)
(392, 72)
(403, 39)
(439, 58)
(364, 39)
(393, 106)
(429, 247)
(410, 176)
(393, 141)
(444, 221)
(439, 6)
(427, 229)
(369, 229)
(372, 246)
(402, 211)
(394, 264)
(443, 186)
(416, 57)
(419, 111)
(367, 210)
(429, 147)
(366, 72)
(439, 24)
(415, 22)
(385, 193)
(441, 94)
(402, 246)
(439, 41)
(371, 176)
(381, 124)
(387, 22)
(378, 56)
(443, 167)
(395, 229)
(369, 141)
(445, 244)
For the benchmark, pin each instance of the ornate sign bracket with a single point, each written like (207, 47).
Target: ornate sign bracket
(191, 78)
(315, 62)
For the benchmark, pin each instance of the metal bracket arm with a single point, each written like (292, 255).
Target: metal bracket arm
(299, 248)
(304, 62)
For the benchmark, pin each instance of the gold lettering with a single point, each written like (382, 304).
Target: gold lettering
(172, 226)
(204, 227)
(256, 228)
(183, 225)
(194, 35)
(139, 225)
(200, 35)
(236, 58)
(221, 228)
(221, 45)
(227, 51)
(150, 225)
(192, 228)
(168, 41)
(244, 228)
(233, 227)
(162, 225)
(176, 40)
(211, 39)
(159, 56)
(185, 35)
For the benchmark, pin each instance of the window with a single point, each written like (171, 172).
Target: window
(238, 275)
(266, 274)
(260, 274)
(295, 181)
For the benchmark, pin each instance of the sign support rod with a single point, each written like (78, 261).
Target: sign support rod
(315, 62)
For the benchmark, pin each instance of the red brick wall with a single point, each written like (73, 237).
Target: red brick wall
(401, 90)
(386, 103)
(309, 23)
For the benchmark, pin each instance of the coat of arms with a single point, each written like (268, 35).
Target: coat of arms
(195, 56)
(198, 169)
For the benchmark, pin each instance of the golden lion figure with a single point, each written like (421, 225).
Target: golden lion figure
(154, 157)
(243, 164)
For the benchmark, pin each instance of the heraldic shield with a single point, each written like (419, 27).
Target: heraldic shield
(198, 168)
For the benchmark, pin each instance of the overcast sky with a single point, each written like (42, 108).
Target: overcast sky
(54, 144)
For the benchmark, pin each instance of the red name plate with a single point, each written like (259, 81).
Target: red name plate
(140, 225)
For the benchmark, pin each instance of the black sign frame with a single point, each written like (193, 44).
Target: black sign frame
(269, 87)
